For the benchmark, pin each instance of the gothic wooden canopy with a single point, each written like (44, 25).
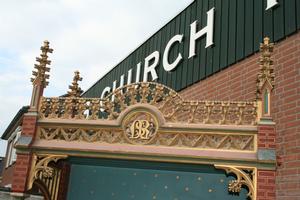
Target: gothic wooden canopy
(147, 121)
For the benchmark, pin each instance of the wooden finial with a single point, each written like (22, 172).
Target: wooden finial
(40, 76)
(266, 74)
(75, 90)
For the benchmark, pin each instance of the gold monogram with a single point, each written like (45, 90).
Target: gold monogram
(139, 129)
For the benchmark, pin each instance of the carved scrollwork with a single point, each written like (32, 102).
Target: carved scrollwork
(137, 135)
(41, 169)
(244, 177)
(167, 101)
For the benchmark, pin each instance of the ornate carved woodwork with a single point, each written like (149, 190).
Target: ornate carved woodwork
(75, 90)
(200, 140)
(45, 174)
(166, 100)
(266, 74)
(40, 76)
(245, 176)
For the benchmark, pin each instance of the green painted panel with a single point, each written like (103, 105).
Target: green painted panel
(169, 27)
(126, 180)
(163, 43)
(203, 42)
(181, 50)
(218, 32)
(268, 22)
(239, 28)
(258, 28)
(209, 50)
(232, 32)
(224, 35)
(248, 40)
(160, 47)
(290, 16)
(196, 59)
(175, 51)
(298, 13)
(191, 63)
(186, 48)
(278, 23)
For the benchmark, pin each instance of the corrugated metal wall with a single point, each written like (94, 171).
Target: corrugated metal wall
(239, 28)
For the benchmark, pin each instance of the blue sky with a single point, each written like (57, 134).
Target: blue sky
(87, 35)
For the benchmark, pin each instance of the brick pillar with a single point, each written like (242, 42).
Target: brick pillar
(265, 185)
(24, 157)
(266, 152)
(23, 162)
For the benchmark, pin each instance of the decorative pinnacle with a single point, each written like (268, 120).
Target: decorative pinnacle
(40, 76)
(75, 90)
(266, 73)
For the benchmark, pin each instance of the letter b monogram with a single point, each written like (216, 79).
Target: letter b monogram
(139, 129)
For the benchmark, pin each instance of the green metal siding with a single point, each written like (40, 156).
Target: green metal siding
(239, 28)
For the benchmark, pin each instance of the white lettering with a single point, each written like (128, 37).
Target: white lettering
(271, 4)
(113, 89)
(129, 75)
(167, 66)
(138, 72)
(151, 68)
(105, 91)
(122, 80)
(103, 94)
(208, 30)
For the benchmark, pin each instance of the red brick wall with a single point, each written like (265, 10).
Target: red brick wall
(286, 113)
(7, 175)
(7, 172)
(265, 185)
(23, 163)
(28, 125)
(238, 82)
(266, 137)
(21, 173)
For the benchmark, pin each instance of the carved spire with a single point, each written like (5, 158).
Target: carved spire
(266, 74)
(75, 90)
(40, 76)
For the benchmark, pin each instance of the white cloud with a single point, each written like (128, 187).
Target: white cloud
(87, 35)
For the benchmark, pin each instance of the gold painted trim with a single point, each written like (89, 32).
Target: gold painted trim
(245, 176)
(169, 103)
(237, 142)
(40, 167)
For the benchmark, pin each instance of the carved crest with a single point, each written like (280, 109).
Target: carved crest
(140, 127)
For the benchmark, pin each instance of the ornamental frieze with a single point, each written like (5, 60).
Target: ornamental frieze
(171, 105)
(193, 140)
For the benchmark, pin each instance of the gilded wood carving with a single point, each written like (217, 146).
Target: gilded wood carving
(202, 140)
(40, 76)
(245, 176)
(266, 73)
(43, 171)
(166, 100)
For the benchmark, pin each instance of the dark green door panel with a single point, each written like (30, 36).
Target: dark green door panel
(97, 179)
